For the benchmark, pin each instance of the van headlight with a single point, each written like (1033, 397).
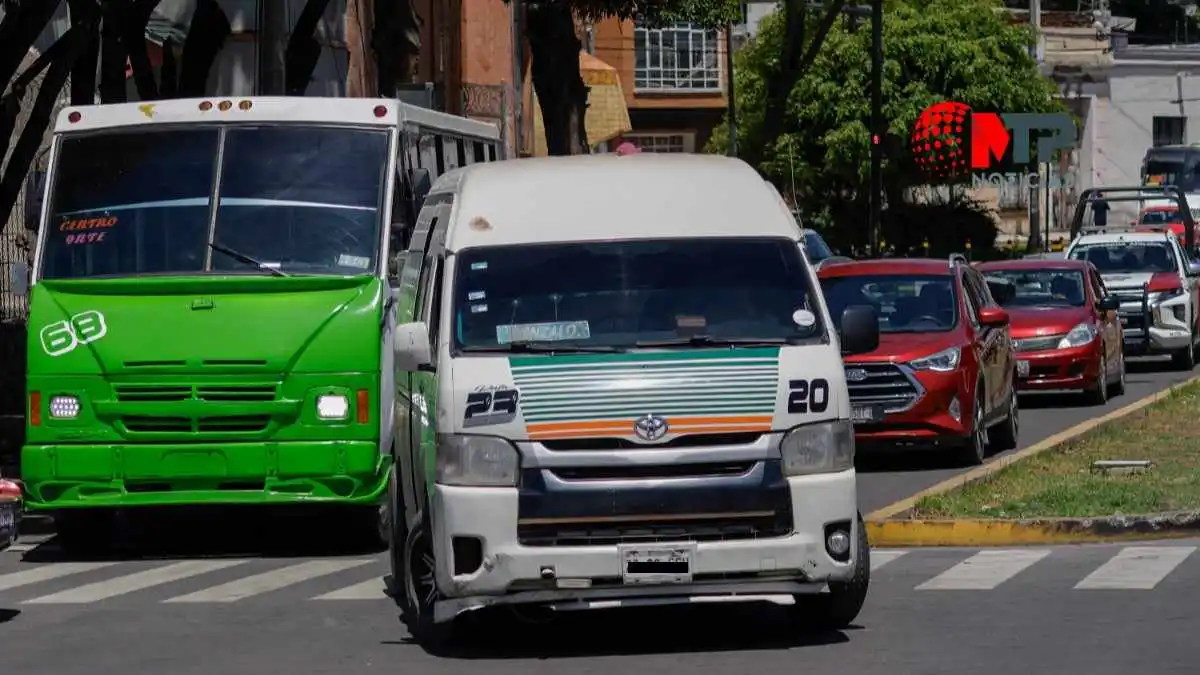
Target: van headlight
(826, 447)
(477, 461)
(1079, 336)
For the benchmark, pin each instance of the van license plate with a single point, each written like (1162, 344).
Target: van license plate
(657, 564)
(1022, 369)
(866, 414)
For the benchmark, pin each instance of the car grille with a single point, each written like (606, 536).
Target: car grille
(1037, 344)
(881, 384)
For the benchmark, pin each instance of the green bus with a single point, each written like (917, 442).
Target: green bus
(212, 302)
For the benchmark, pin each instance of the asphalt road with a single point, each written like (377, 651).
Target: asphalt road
(1101, 610)
(883, 480)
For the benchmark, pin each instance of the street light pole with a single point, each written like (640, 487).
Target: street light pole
(878, 124)
(730, 111)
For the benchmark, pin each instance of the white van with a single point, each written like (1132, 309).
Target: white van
(618, 384)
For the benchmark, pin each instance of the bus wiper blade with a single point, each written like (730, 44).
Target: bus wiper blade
(541, 348)
(710, 341)
(242, 257)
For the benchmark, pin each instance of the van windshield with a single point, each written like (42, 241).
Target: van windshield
(631, 293)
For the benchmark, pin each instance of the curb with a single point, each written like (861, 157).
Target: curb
(981, 532)
(889, 513)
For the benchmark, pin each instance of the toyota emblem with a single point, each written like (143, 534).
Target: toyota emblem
(856, 375)
(650, 427)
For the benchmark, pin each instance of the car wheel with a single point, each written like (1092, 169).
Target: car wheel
(1004, 435)
(1098, 394)
(838, 608)
(974, 451)
(421, 591)
(1119, 386)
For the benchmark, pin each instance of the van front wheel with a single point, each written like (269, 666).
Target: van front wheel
(421, 591)
(837, 609)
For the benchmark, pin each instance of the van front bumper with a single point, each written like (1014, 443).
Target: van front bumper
(589, 576)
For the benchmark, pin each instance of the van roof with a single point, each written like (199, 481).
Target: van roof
(610, 197)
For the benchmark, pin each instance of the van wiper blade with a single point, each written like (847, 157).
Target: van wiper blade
(242, 257)
(540, 348)
(710, 341)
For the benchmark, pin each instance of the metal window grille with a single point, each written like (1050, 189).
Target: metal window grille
(662, 142)
(677, 58)
(1169, 131)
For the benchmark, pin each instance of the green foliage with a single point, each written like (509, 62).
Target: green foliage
(711, 13)
(934, 50)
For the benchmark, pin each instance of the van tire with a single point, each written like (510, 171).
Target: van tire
(837, 609)
(416, 612)
(397, 531)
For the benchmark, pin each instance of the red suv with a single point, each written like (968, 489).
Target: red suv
(943, 375)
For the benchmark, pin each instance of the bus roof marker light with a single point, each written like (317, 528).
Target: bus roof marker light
(245, 105)
(224, 105)
(205, 106)
(74, 117)
(380, 110)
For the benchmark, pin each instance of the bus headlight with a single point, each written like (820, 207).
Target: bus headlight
(825, 447)
(64, 407)
(333, 407)
(477, 461)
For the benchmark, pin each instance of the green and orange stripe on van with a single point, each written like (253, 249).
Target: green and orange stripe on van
(675, 425)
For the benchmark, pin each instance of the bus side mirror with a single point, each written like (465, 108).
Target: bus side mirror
(35, 185)
(419, 183)
(19, 279)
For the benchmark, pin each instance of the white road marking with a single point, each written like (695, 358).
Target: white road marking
(984, 570)
(881, 557)
(109, 588)
(272, 580)
(1137, 568)
(46, 573)
(371, 589)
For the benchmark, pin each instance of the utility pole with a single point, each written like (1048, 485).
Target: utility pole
(730, 111)
(518, 90)
(878, 124)
(272, 47)
(1035, 197)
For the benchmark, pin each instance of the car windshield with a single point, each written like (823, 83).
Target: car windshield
(301, 200)
(905, 303)
(1127, 256)
(816, 247)
(1041, 288)
(633, 293)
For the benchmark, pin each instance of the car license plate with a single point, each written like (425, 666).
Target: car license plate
(8, 518)
(1022, 369)
(657, 564)
(865, 414)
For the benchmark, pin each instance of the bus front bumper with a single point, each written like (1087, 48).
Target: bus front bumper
(103, 475)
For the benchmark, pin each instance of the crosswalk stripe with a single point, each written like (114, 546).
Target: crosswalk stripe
(47, 573)
(1136, 568)
(371, 589)
(881, 557)
(983, 571)
(102, 590)
(269, 581)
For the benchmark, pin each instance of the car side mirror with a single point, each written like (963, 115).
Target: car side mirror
(859, 329)
(19, 279)
(413, 351)
(35, 186)
(1109, 303)
(1193, 269)
(993, 317)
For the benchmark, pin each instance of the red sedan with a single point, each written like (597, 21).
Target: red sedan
(1064, 326)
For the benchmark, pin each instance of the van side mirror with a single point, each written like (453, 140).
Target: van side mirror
(1109, 303)
(859, 329)
(19, 279)
(35, 190)
(414, 353)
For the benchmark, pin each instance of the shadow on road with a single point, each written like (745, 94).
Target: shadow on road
(7, 615)
(217, 532)
(495, 634)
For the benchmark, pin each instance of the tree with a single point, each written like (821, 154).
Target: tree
(554, 46)
(935, 50)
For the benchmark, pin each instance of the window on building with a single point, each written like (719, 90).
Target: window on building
(1169, 131)
(663, 142)
(676, 58)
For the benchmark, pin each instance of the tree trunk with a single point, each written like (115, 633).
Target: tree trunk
(554, 69)
(303, 50)
(204, 40)
(83, 75)
(112, 53)
(793, 63)
(25, 151)
(19, 29)
(397, 43)
(133, 36)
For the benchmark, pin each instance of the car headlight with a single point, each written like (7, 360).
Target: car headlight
(825, 447)
(477, 461)
(333, 407)
(64, 407)
(1079, 336)
(941, 362)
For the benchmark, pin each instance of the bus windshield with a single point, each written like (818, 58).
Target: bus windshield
(299, 200)
(1175, 168)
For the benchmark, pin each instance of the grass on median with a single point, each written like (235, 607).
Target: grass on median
(1060, 482)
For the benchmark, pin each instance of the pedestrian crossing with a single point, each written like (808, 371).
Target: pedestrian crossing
(230, 582)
